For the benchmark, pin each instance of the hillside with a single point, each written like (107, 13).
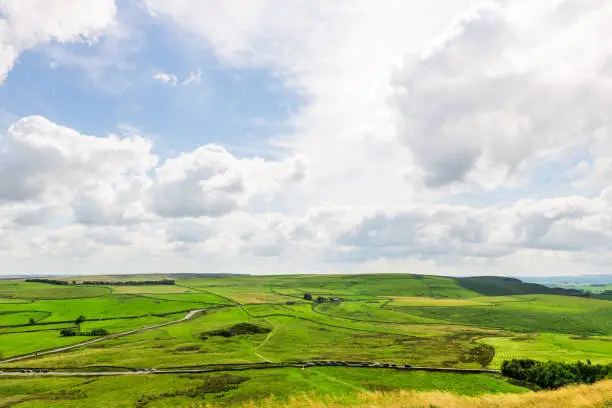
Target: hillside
(591, 396)
(500, 286)
(232, 339)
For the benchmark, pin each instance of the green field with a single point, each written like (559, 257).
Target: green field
(401, 319)
(182, 390)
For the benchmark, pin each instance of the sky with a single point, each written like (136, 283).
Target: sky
(449, 137)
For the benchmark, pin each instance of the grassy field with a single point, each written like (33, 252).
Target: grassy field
(584, 396)
(420, 320)
(234, 388)
(548, 346)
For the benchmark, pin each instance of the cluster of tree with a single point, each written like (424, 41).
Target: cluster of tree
(70, 332)
(320, 299)
(552, 374)
(130, 283)
(49, 281)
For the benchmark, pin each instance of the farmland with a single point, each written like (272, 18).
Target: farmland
(246, 321)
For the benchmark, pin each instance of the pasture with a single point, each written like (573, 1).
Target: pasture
(388, 319)
(229, 388)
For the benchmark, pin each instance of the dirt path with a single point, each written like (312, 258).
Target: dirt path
(263, 343)
(112, 336)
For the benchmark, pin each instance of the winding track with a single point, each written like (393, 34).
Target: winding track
(112, 336)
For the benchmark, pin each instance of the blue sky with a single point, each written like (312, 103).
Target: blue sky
(100, 88)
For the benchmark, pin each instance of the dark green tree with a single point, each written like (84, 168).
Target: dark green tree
(68, 332)
(78, 322)
(307, 296)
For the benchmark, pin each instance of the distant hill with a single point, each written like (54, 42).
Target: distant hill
(500, 286)
(574, 279)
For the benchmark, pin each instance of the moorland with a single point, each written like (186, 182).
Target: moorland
(181, 340)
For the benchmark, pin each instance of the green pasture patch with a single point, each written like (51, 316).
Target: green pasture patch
(434, 302)
(249, 294)
(440, 287)
(32, 290)
(4, 300)
(160, 347)
(145, 289)
(110, 306)
(18, 343)
(18, 318)
(557, 314)
(195, 297)
(547, 346)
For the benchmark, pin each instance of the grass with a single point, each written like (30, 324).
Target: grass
(104, 307)
(234, 388)
(547, 346)
(149, 289)
(16, 318)
(499, 286)
(30, 290)
(293, 339)
(534, 314)
(421, 320)
(583, 396)
(15, 344)
(421, 301)
(33, 338)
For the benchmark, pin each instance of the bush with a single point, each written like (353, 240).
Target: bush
(307, 296)
(482, 354)
(68, 332)
(98, 332)
(73, 332)
(49, 281)
(552, 374)
(236, 330)
(209, 385)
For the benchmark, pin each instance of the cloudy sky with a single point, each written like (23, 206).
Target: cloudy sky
(292, 136)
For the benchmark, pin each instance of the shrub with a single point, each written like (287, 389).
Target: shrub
(68, 332)
(236, 330)
(553, 374)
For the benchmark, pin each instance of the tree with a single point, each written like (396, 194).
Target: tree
(307, 296)
(321, 299)
(78, 322)
(68, 332)
(32, 321)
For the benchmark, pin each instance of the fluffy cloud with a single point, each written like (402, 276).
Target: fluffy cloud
(340, 57)
(26, 23)
(211, 182)
(505, 88)
(563, 224)
(43, 161)
(116, 180)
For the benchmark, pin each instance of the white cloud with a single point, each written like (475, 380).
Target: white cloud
(404, 107)
(41, 160)
(506, 88)
(169, 79)
(26, 23)
(211, 182)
